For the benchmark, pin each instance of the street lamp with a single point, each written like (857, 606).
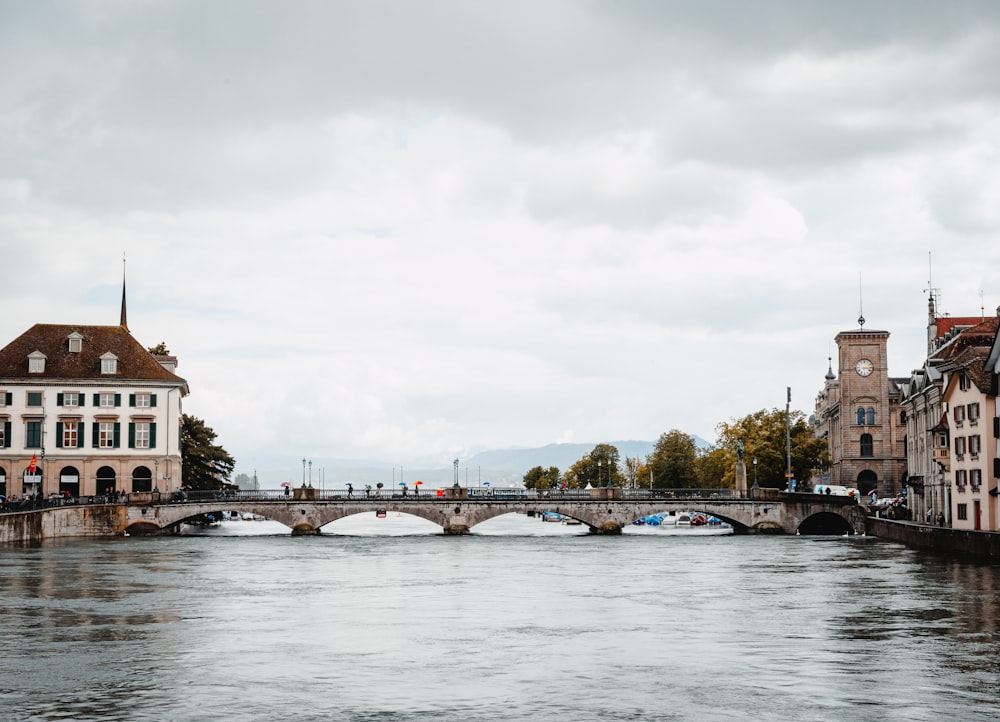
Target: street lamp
(755, 472)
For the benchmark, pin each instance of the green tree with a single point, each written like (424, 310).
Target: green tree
(711, 467)
(598, 468)
(672, 461)
(763, 436)
(159, 349)
(539, 478)
(205, 465)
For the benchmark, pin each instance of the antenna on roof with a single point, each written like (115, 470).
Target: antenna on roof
(932, 293)
(124, 323)
(982, 307)
(861, 303)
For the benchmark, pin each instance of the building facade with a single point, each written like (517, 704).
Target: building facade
(87, 410)
(858, 412)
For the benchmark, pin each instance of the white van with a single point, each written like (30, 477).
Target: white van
(835, 490)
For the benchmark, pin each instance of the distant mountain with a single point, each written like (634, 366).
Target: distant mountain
(499, 467)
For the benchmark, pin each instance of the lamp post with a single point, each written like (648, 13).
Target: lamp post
(303, 471)
(755, 472)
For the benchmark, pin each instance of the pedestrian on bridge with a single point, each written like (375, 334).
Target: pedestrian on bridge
(350, 490)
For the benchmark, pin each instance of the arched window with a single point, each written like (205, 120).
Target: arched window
(861, 416)
(105, 480)
(142, 479)
(871, 416)
(866, 445)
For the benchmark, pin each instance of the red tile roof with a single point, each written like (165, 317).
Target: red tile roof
(135, 363)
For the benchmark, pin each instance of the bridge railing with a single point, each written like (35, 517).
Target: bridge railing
(468, 494)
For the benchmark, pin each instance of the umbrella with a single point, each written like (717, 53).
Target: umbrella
(402, 483)
(285, 483)
(417, 483)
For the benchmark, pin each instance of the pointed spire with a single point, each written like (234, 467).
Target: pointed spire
(124, 323)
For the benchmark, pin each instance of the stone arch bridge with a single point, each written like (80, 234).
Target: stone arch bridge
(787, 513)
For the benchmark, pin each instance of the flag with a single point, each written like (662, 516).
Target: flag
(31, 465)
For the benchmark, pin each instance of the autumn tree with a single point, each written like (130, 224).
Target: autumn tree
(672, 461)
(763, 437)
(539, 478)
(205, 465)
(159, 349)
(598, 468)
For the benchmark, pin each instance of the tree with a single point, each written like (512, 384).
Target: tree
(763, 436)
(636, 473)
(598, 468)
(673, 461)
(539, 478)
(711, 467)
(205, 465)
(159, 349)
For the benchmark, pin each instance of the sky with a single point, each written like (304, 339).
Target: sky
(406, 231)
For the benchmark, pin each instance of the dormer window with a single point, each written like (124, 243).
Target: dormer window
(75, 342)
(36, 362)
(109, 363)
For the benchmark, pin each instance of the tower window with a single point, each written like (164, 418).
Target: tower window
(871, 416)
(867, 447)
(861, 416)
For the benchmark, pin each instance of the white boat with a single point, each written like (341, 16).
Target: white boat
(684, 518)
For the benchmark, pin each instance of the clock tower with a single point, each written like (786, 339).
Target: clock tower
(859, 413)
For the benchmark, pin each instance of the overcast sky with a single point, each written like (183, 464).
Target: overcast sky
(402, 230)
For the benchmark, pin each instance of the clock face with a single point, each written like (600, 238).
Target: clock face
(864, 367)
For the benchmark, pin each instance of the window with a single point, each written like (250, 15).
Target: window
(960, 447)
(106, 435)
(69, 400)
(33, 435)
(866, 445)
(959, 414)
(140, 435)
(3, 399)
(976, 478)
(4, 426)
(107, 400)
(974, 445)
(861, 416)
(109, 363)
(871, 416)
(902, 416)
(36, 362)
(142, 401)
(974, 412)
(962, 511)
(960, 478)
(70, 436)
(963, 382)
(34, 398)
(942, 439)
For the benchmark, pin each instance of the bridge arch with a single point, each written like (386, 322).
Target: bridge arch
(825, 523)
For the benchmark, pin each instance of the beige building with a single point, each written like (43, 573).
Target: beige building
(928, 432)
(858, 413)
(87, 410)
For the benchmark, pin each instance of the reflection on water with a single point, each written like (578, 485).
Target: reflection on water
(524, 620)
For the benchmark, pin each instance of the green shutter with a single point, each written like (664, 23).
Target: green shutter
(59, 438)
(152, 400)
(118, 440)
(152, 435)
(9, 399)
(97, 399)
(97, 434)
(118, 399)
(6, 434)
(83, 398)
(59, 399)
(131, 435)
(131, 400)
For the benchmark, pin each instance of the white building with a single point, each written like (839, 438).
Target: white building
(94, 410)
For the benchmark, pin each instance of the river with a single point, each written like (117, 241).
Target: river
(523, 621)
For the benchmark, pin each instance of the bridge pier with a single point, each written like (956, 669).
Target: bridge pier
(304, 529)
(456, 530)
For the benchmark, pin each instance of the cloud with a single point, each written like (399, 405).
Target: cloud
(396, 231)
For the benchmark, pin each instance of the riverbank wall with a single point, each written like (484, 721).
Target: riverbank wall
(99, 520)
(962, 542)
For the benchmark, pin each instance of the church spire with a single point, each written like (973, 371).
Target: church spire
(124, 323)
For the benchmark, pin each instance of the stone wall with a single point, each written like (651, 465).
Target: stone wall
(944, 540)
